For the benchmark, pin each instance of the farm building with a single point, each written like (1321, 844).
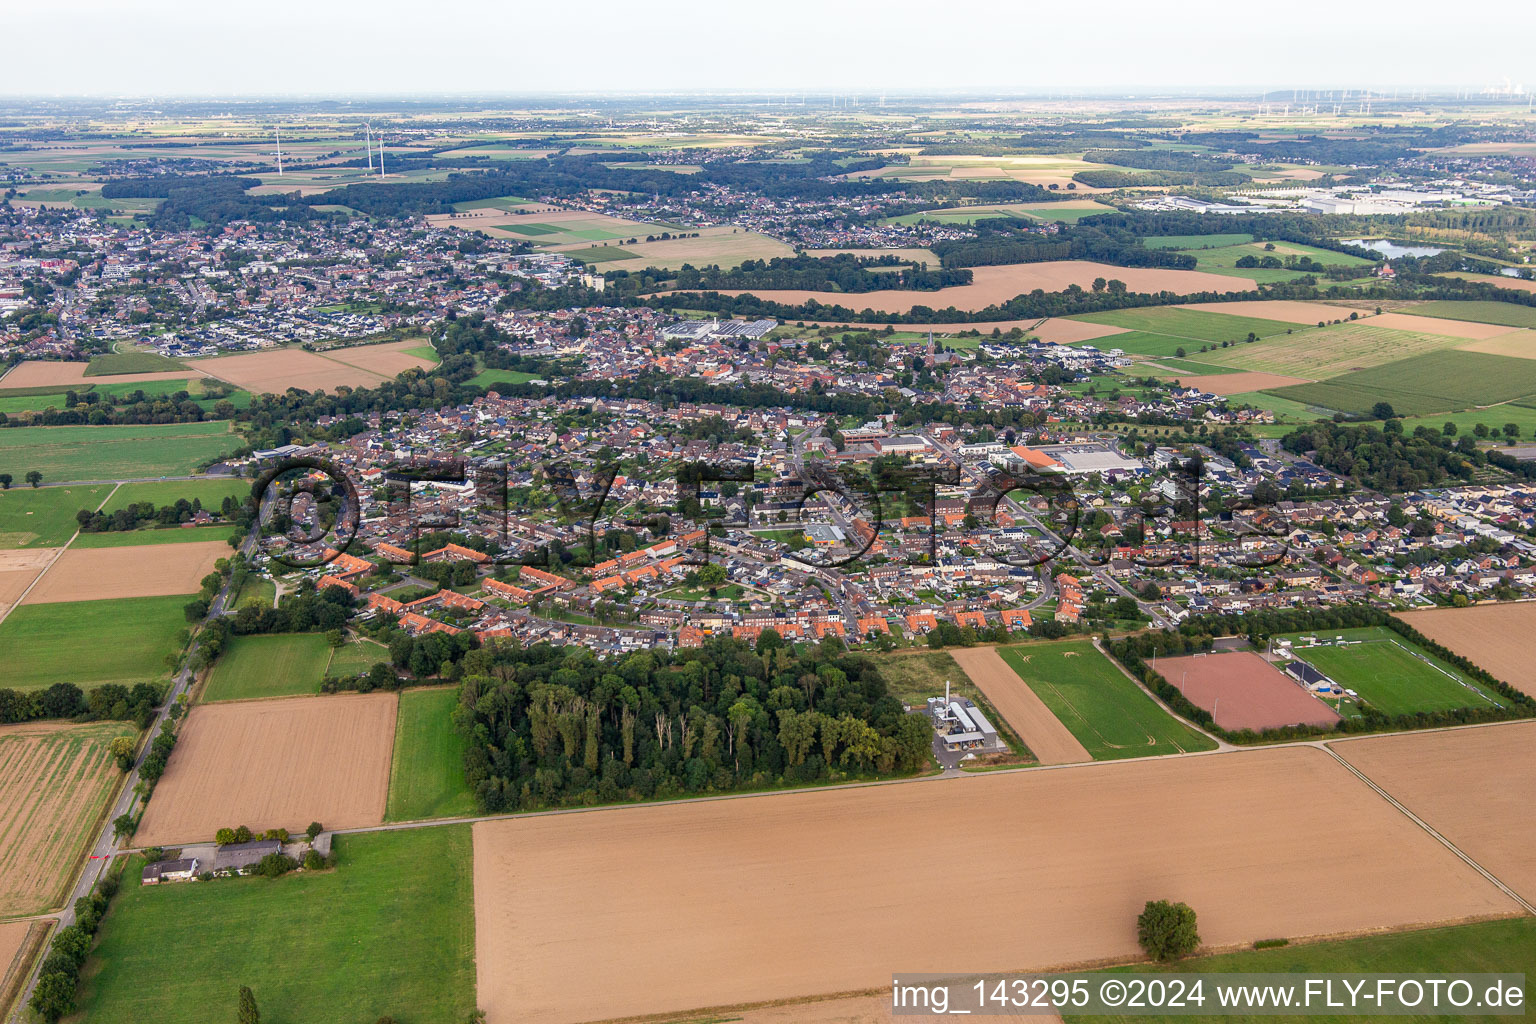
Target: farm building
(240, 856)
(170, 871)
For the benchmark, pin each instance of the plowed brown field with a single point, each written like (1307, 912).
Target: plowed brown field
(1473, 786)
(1238, 383)
(55, 780)
(1494, 636)
(38, 373)
(17, 571)
(275, 764)
(793, 895)
(277, 370)
(147, 570)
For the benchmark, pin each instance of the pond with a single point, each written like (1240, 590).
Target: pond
(1391, 250)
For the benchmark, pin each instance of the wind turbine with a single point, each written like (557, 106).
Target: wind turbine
(381, 154)
(368, 143)
(279, 133)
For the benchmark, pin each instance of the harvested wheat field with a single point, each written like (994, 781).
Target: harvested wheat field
(784, 896)
(866, 1009)
(1469, 329)
(13, 935)
(1287, 311)
(995, 285)
(276, 370)
(17, 571)
(389, 360)
(40, 373)
(278, 763)
(144, 570)
(1041, 731)
(55, 782)
(1493, 636)
(915, 255)
(1056, 331)
(1520, 344)
(1473, 786)
(1243, 691)
(1238, 383)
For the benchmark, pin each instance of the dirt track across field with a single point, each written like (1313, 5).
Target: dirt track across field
(146, 570)
(18, 569)
(1496, 637)
(793, 895)
(275, 764)
(1245, 691)
(1041, 731)
(1473, 786)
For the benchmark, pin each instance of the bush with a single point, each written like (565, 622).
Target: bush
(313, 861)
(275, 864)
(1167, 931)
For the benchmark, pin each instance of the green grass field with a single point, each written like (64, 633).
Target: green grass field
(167, 535)
(1433, 382)
(276, 665)
(356, 656)
(1146, 343)
(1392, 673)
(1110, 715)
(1522, 416)
(490, 378)
(113, 453)
(1185, 324)
(132, 362)
(211, 492)
(258, 591)
(121, 640)
(1506, 313)
(426, 779)
(497, 203)
(1321, 353)
(1486, 947)
(390, 931)
(14, 404)
(600, 254)
(535, 230)
(44, 517)
(1188, 242)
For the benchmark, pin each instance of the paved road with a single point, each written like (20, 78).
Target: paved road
(107, 845)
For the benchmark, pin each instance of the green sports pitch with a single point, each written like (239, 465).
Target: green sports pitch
(1392, 673)
(1110, 715)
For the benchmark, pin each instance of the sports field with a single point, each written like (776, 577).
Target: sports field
(1424, 384)
(44, 517)
(275, 763)
(55, 783)
(355, 656)
(427, 777)
(1392, 673)
(1110, 715)
(86, 643)
(390, 932)
(112, 453)
(1473, 786)
(812, 873)
(490, 378)
(1243, 691)
(277, 665)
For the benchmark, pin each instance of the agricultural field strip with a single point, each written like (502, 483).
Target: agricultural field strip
(6, 610)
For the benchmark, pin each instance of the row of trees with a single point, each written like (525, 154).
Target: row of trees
(107, 702)
(59, 977)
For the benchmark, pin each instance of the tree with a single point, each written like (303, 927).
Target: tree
(1382, 411)
(124, 825)
(1511, 430)
(315, 828)
(54, 995)
(224, 836)
(1166, 930)
(248, 1012)
(34, 477)
(5, 481)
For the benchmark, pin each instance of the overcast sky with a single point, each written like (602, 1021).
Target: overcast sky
(348, 47)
